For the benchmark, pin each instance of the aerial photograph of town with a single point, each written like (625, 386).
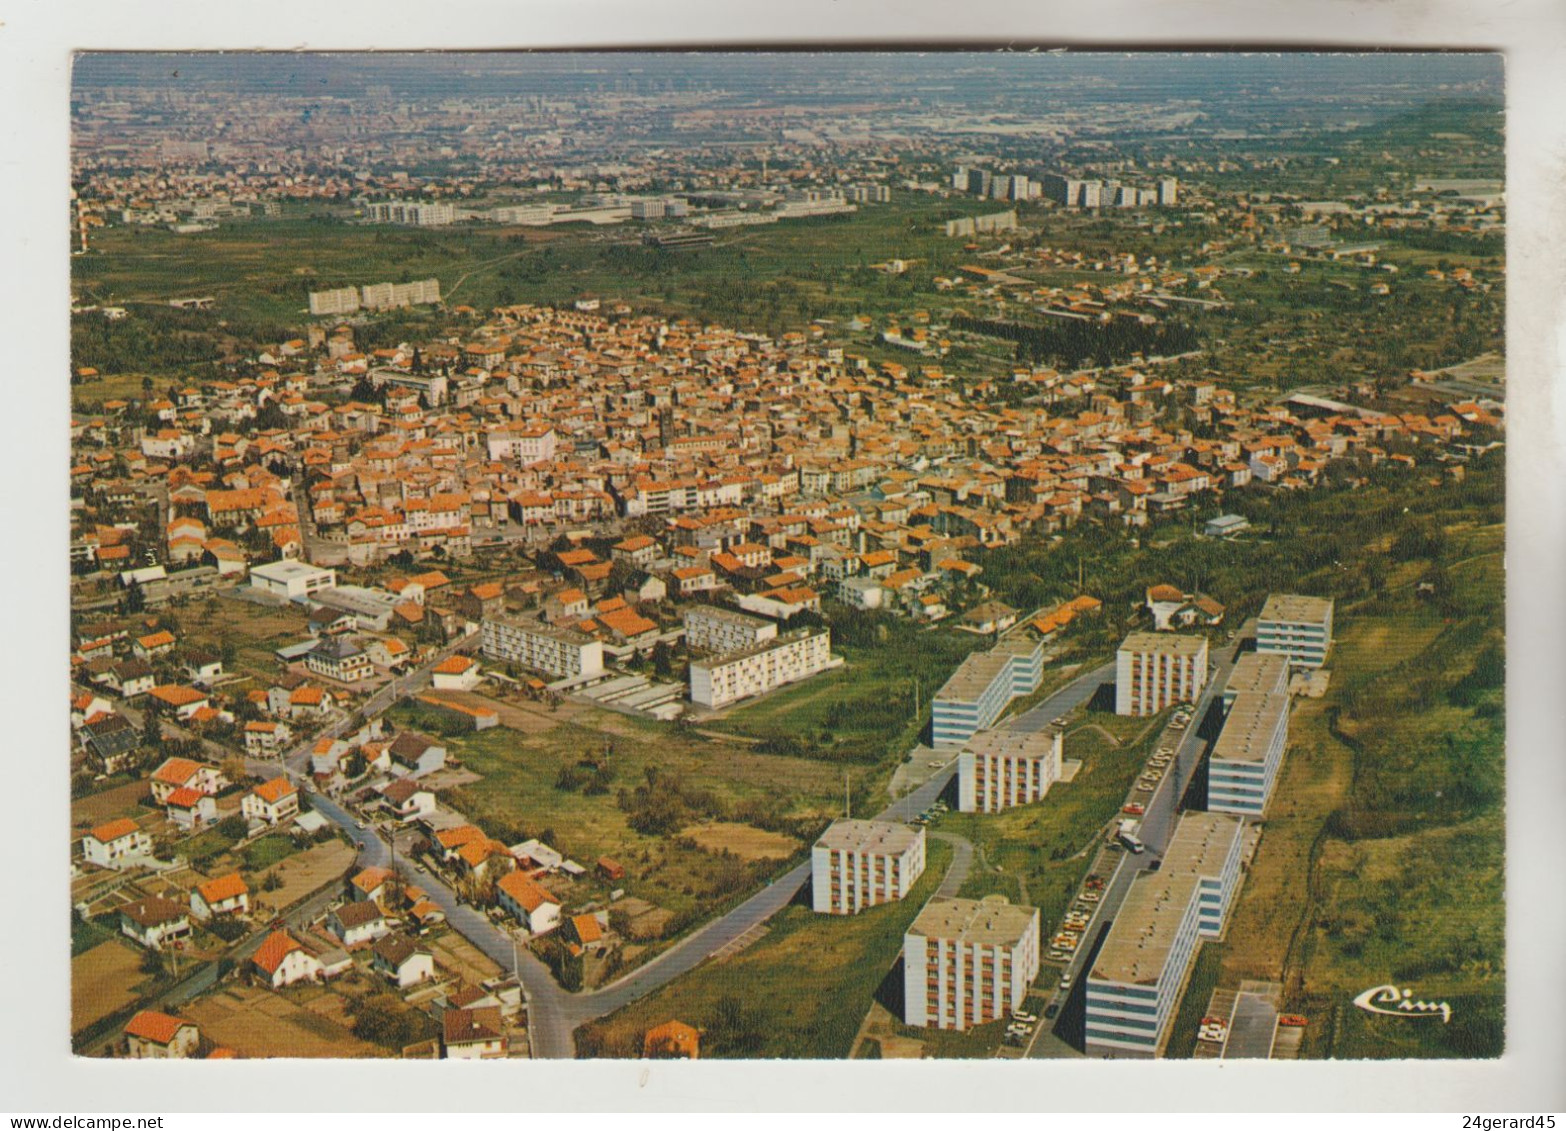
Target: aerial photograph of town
(814, 555)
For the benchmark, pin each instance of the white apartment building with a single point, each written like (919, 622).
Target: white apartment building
(291, 580)
(709, 628)
(1245, 759)
(859, 864)
(1156, 669)
(410, 212)
(1001, 768)
(982, 686)
(381, 296)
(721, 680)
(1139, 973)
(541, 647)
(966, 961)
(1297, 627)
(338, 300)
(534, 444)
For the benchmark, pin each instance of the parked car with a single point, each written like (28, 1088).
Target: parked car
(1293, 1020)
(1050, 1011)
(1135, 809)
(1065, 981)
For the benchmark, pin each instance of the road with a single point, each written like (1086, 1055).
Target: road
(553, 1013)
(1158, 824)
(1068, 698)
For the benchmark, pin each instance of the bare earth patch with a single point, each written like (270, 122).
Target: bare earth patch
(102, 980)
(257, 1023)
(745, 841)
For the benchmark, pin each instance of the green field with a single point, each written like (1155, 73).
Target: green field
(800, 992)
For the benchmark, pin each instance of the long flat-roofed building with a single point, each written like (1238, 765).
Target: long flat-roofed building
(967, 961)
(291, 580)
(1001, 768)
(1154, 670)
(1137, 977)
(1257, 671)
(541, 647)
(982, 686)
(721, 680)
(1245, 759)
(710, 628)
(1297, 627)
(859, 864)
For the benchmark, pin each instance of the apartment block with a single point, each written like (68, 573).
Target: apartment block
(1001, 768)
(1297, 627)
(541, 647)
(1137, 978)
(967, 961)
(1249, 751)
(1156, 669)
(982, 686)
(709, 628)
(859, 864)
(721, 680)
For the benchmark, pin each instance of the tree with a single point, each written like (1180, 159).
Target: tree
(234, 827)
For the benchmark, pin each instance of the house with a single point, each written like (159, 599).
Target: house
(117, 844)
(184, 701)
(110, 740)
(407, 800)
(472, 1034)
(309, 702)
(151, 1035)
(153, 644)
(388, 652)
(673, 1040)
(226, 895)
(584, 933)
(203, 668)
(358, 922)
(414, 755)
(529, 902)
(400, 960)
(154, 921)
(272, 802)
(338, 658)
(264, 739)
(86, 706)
(130, 679)
(190, 809)
(456, 673)
(373, 884)
(282, 961)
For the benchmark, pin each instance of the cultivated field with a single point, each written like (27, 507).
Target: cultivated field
(259, 1023)
(104, 980)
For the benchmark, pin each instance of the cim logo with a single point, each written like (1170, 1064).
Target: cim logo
(1394, 1002)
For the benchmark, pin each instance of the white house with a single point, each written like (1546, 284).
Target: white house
(529, 902)
(282, 961)
(151, 1035)
(117, 844)
(226, 895)
(154, 921)
(358, 921)
(272, 802)
(414, 755)
(402, 962)
(456, 673)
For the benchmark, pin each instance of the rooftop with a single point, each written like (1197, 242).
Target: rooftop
(1165, 643)
(1250, 725)
(1005, 742)
(974, 675)
(1297, 609)
(852, 835)
(990, 921)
